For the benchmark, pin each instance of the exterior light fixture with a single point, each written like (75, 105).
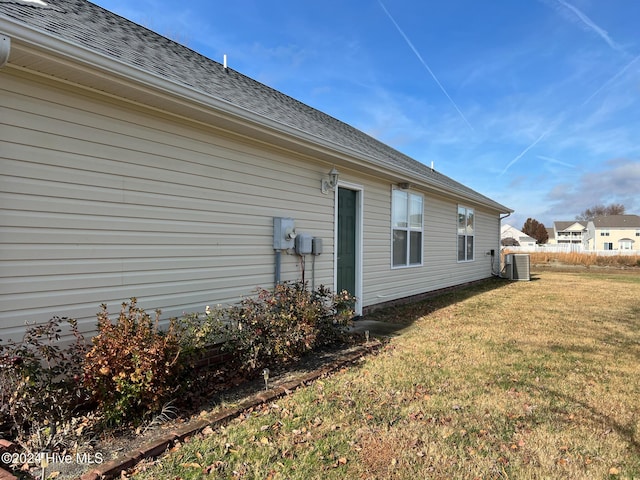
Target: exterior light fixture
(331, 183)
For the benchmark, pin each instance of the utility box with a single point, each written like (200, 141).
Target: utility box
(284, 233)
(303, 244)
(316, 246)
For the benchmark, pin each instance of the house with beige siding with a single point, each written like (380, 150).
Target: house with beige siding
(613, 233)
(134, 166)
(569, 234)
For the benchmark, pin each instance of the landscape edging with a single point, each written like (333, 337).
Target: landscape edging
(113, 468)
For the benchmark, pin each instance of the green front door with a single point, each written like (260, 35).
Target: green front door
(346, 264)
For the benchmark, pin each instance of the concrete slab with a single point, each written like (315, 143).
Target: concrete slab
(378, 329)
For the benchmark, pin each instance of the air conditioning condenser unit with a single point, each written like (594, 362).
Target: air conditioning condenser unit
(518, 266)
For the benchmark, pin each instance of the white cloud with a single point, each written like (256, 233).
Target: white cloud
(617, 182)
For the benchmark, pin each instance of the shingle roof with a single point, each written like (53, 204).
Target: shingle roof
(551, 233)
(617, 221)
(563, 225)
(96, 29)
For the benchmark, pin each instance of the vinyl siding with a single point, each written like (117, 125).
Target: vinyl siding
(614, 237)
(101, 202)
(440, 268)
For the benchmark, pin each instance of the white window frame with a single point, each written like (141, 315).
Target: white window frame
(625, 244)
(466, 233)
(409, 228)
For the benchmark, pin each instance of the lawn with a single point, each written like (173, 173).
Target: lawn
(535, 379)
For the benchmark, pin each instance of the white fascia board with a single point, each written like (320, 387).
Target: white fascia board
(41, 40)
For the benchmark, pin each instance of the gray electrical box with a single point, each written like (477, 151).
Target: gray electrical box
(284, 233)
(303, 244)
(316, 246)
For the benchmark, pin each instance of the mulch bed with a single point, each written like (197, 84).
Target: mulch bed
(223, 396)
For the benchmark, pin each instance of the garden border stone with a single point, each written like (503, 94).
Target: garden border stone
(157, 447)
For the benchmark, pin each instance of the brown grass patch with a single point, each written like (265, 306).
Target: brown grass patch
(584, 259)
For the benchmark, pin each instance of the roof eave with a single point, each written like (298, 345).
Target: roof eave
(205, 106)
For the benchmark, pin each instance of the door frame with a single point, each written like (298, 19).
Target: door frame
(359, 189)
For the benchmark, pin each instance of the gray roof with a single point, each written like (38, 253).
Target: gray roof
(96, 29)
(617, 221)
(551, 232)
(563, 225)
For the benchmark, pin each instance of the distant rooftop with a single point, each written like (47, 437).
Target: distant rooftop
(617, 221)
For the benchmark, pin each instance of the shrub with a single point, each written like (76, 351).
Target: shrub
(133, 367)
(280, 325)
(336, 315)
(40, 381)
(196, 332)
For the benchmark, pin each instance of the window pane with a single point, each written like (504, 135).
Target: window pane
(461, 247)
(399, 247)
(415, 211)
(470, 219)
(469, 248)
(400, 209)
(415, 248)
(462, 217)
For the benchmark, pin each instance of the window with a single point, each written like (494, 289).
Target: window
(407, 228)
(465, 234)
(626, 244)
(608, 245)
(604, 233)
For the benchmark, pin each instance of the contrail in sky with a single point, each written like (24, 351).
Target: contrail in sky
(611, 80)
(556, 161)
(522, 154)
(605, 36)
(590, 24)
(415, 51)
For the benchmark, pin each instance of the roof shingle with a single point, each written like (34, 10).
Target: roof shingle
(617, 221)
(96, 29)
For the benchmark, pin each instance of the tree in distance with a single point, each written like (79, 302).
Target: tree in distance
(536, 230)
(601, 211)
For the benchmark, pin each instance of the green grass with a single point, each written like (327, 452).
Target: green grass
(535, 379)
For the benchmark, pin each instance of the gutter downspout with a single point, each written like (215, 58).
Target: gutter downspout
(500, 270)
(5, 49)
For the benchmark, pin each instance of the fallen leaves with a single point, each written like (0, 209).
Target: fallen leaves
(339, 462)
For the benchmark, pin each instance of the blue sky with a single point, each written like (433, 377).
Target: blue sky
(534, 103)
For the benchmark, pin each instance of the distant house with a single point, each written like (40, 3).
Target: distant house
(569, 234)
(511, 236)
(613, 232)
(551, 236)
(134, 166)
